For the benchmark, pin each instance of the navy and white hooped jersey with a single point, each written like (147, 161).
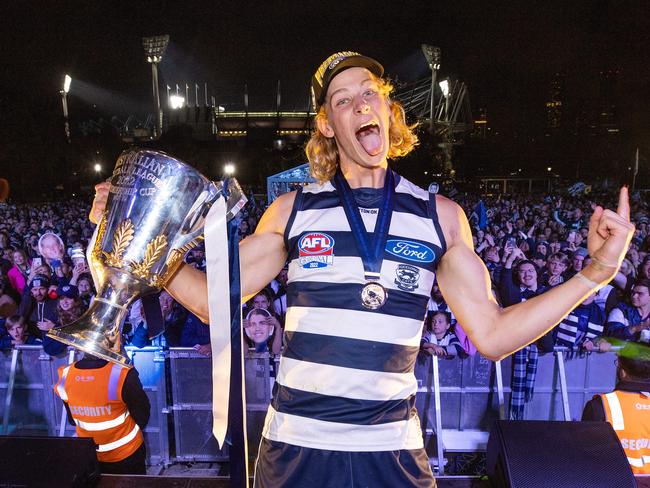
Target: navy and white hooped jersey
(345, 380)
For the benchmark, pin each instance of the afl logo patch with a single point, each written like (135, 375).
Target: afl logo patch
(412, 251)
(316, 250)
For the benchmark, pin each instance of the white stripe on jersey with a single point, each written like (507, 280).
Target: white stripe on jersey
(349, 269)
(405, 186)
(354, 324)
(327, 220)
(345, 382)
(320, 434)
(411, 226)
(344, 270)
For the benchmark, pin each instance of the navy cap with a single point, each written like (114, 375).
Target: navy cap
(69, 291)
(39, 281)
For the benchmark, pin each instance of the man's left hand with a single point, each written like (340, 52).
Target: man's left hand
(609, 237)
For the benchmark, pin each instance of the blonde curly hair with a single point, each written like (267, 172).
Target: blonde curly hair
(323, 154)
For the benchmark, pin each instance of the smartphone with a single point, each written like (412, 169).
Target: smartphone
(36, 262)
(511, 242)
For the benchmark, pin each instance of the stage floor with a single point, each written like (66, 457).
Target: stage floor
(110, 481)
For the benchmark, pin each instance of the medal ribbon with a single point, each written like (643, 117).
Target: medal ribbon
(370, 249)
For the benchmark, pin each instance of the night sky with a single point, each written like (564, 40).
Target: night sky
(506, 52)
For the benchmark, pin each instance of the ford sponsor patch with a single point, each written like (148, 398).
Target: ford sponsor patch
(412, 251)
(316, 250)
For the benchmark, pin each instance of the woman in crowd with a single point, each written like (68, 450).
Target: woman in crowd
(19, 272)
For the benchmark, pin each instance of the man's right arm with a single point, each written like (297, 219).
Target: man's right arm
(262, 255)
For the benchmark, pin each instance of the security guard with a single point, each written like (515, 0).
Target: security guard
(627, 408)
(107, 402)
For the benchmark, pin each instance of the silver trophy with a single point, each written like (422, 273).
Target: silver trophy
(155, 213)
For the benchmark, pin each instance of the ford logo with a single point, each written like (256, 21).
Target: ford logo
(410, 250)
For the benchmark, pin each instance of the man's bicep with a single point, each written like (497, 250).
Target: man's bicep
(465, 283)
(262, 256)
(462, 276)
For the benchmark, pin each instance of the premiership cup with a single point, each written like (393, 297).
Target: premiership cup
(154, 214)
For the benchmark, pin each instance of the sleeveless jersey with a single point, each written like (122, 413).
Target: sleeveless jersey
(345, 380)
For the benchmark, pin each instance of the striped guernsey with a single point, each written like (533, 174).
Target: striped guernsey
(345, 380)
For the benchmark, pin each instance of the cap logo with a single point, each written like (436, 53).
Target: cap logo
(331, 62)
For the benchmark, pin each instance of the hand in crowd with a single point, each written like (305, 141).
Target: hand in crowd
(434, 349)
(79, 269)
(45, 325)
(555, 280)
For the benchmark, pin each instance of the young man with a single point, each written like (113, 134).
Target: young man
(343, 409)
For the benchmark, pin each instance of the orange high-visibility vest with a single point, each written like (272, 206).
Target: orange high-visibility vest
(629, 414)
(95, 400)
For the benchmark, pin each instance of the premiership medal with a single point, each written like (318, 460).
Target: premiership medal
(373, 295)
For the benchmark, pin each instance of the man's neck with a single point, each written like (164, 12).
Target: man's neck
(359, 176)
(644, 310)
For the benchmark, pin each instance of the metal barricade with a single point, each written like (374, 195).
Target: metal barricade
(191, 376)
(191, 379)
(26, 394)
(150, 364)
(460, 398)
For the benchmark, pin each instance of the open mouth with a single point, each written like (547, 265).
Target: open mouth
(370, 139)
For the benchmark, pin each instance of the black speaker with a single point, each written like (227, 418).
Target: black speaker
(538, 454)
(48, 461)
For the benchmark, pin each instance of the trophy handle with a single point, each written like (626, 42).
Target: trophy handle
(194, 220)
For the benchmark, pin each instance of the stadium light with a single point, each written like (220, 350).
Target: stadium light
(67, 81)
(176, 101)
(229, 169)
(444, 87)
(154, 48)
(98, 168)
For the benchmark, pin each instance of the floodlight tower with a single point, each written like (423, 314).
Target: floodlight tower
(154, 48)
(433, 55)
(64, 99)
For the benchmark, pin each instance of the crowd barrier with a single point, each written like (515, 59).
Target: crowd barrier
(460, 398)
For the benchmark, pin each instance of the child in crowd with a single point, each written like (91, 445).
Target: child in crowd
(17, 334)
(439, 340)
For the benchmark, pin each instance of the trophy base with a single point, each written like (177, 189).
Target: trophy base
(89, 347)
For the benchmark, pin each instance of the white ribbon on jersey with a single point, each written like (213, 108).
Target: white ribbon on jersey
(218, 276)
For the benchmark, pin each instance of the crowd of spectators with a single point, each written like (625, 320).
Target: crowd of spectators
(529, 243)
(45, 282)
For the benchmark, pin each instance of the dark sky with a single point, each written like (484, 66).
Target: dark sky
(505, 51)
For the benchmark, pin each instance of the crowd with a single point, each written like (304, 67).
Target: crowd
(45, 282)
(528, 243)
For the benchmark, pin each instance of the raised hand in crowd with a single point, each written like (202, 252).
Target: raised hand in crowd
(45, 325)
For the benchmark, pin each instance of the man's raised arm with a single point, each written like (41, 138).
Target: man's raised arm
(496, 332)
